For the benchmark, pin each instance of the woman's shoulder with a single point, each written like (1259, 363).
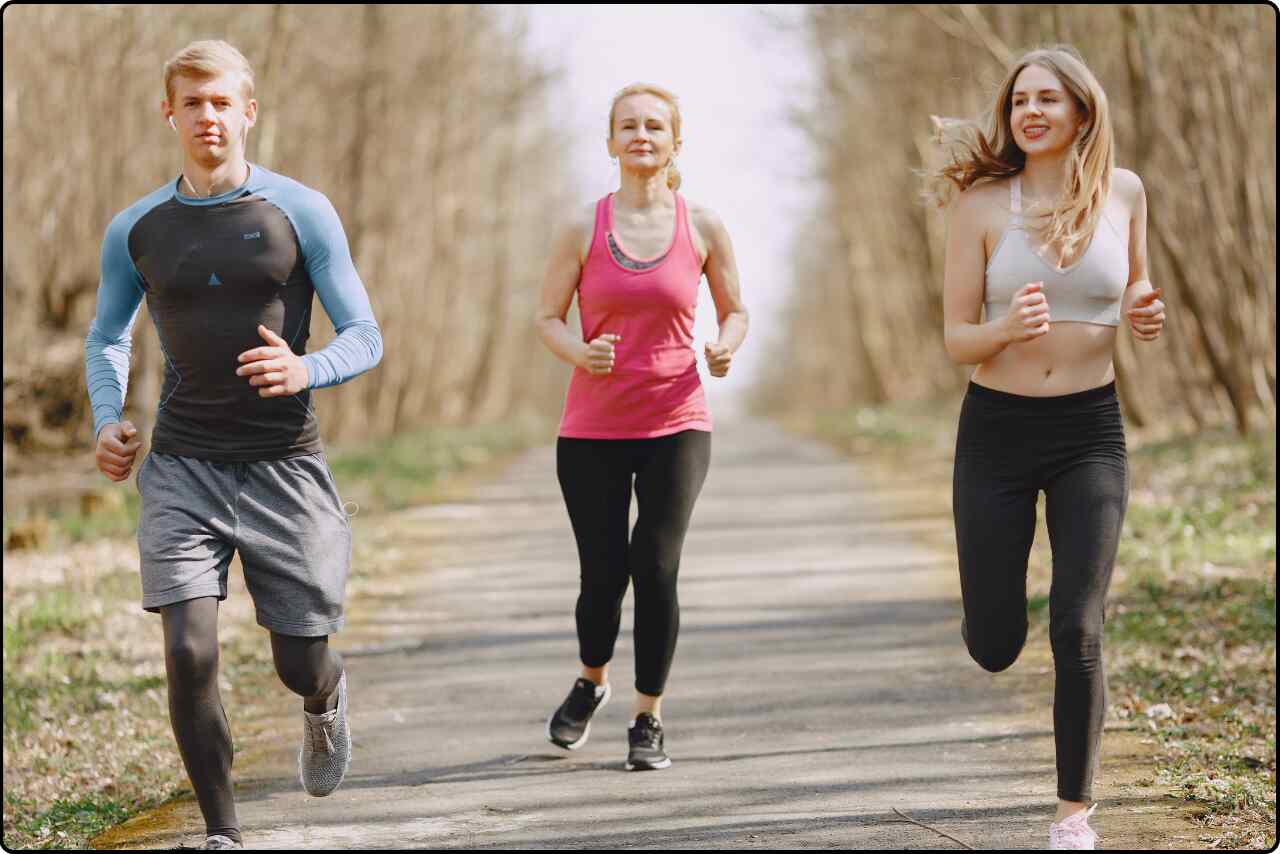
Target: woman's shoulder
(991, 192)
(1127, 185)
(574, 226)
(578, 218)
(703, 218)
(707, 227)
(984, 204)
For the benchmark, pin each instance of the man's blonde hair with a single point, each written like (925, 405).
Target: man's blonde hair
(208, 58)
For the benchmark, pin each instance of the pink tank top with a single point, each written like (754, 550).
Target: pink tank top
(654, 389)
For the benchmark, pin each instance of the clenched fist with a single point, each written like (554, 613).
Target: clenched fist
(1028, 316)
(598, 358)
(1146, 317)
(718, 358)
(118, 444)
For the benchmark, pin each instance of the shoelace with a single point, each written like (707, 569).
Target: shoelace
(644, 734)
(318, 735)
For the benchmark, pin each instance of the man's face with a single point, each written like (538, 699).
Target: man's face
(212, 116)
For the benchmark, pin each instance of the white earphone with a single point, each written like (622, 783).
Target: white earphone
(172, 124)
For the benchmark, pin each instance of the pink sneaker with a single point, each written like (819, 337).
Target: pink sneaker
(1073, 833)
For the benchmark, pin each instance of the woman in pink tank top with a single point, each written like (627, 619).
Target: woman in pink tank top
(635, 407)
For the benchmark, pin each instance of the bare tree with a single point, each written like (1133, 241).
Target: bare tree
(1193, 102)
(416, 121)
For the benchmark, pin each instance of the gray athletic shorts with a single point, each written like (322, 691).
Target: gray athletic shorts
(283, 516)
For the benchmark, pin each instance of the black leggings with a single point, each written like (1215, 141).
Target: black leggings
(1010, 447)
(595, 477)
(306, 666)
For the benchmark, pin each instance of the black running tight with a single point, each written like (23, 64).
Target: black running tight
(306, 666)
(596, 479)
(1010, 447)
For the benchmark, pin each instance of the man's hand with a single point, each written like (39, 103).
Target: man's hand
(275, 369)
(118, 444)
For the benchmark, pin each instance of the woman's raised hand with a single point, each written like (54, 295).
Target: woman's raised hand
(1028, 316)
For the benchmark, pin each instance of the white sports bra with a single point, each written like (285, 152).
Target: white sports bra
(1088, 291)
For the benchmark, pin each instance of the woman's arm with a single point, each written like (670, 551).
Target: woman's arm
(968, 340)
(1141, 304)
(558, 286)
(721, 269)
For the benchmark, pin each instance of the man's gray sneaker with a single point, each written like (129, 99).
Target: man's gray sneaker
(569, 725)
(218, 842)
(326, 747)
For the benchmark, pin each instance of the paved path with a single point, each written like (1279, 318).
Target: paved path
(819, 683)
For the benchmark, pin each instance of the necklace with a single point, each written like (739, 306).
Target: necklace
(194, 191)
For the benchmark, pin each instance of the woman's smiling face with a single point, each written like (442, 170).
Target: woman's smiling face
(1043, 116)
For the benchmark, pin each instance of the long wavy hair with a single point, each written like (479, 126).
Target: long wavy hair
(976, 155)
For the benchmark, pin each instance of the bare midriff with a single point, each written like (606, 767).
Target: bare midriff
(1071, 357)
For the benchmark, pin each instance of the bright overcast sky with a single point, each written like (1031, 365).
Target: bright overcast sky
(736, 70)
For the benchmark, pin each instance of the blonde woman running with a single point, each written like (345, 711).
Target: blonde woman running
(1046, 259)
(635, 408)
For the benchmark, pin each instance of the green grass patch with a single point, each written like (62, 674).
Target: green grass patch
(56, 610)
(67, 522)
(119, 520)
(891, 429)
(67, 822)
(405, 469)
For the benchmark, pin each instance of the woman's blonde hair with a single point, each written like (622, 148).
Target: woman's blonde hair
(994, 154)
(673, 104)
(208, 58)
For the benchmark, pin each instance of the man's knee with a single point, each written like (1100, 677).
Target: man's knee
(994, 650)
(1076, 641)
(303, 665)
(191, 661)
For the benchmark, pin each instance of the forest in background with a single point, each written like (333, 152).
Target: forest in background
(1192, 95)
(426, 126)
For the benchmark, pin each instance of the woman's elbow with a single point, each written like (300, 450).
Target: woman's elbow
(954, 351)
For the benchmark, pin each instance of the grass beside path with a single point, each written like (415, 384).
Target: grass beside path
(87, 742)
(1190, 639)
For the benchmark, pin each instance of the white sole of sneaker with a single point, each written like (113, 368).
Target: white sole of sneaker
(608, 692)
(656, 766)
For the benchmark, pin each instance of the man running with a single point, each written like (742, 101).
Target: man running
(228, 256)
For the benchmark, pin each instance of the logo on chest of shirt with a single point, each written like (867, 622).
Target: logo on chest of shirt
(214, 280)
(253, 235)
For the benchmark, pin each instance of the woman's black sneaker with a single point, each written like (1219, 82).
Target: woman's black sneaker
(645, 736)
(569, 725)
